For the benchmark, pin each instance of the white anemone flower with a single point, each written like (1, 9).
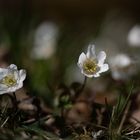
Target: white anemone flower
(92, 65)
(122, 67)
(134, 36)
(11, 79)
(45, 41)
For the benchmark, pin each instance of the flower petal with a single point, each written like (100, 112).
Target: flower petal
(96, 75)
(16, 74)
(87, 75)
(11, 89)
(20, 85)
(3, 91)
(101, 58)
(12, 66)
(91, 51)
(104, 68)
(3, 72)
(3, 87)
(82, 58)
(22, 74)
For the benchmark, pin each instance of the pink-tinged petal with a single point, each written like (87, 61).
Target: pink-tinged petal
(104, 68)
(101, 58)
(12, 66)
(81, 59)
(22, 74)
(91, 51)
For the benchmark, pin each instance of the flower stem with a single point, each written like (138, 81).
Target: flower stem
(81, 88)
(15, 101)
(84, 84)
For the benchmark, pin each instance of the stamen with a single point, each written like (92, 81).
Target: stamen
(9, 80)
(90, 66)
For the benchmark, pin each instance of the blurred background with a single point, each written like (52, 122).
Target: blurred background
(46, 37)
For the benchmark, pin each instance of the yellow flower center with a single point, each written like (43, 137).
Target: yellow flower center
(90, 66)
(9, 80)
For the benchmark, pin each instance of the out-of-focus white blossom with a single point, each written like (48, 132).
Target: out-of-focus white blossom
(121, 67)
(45, 41)
(134, 36)
(92, 65)
(97, 134)
(11, 79)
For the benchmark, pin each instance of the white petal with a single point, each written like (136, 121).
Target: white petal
(101, 58)
(13, 66)
(87, 75)
(91, 51)
(96, 75)
(3, 87)
(16, 74)
(3, 72)
(20, 85)
(11, 89)
(3, 92)
(22, 74)
(81, 59)
(104, 68)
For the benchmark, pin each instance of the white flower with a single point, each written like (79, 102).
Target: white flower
(97, 134)
(92, 65)
(134, 36)
(11, 79)
(121, 67)
(45, 41)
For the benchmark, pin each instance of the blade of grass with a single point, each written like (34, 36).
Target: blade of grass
(39, 132)
(118, 104)
(124, 117)
(126, 101)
